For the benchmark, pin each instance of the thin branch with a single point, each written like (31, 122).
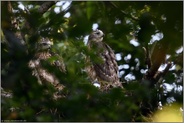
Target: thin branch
(41, 10)
(124, 13)
(147, 57)
(45, 6)
(169, 64)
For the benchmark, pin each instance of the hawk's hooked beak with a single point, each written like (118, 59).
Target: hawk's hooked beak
(103, 35)
(51, 43)
(48, 43)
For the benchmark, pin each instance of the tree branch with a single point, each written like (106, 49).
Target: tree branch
(124, 13)
(41, 10)
(45, 6)
(160, 78)
(15, 44)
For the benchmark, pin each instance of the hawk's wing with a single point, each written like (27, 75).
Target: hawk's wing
(108, 69)
(42, 74)
(58, 62)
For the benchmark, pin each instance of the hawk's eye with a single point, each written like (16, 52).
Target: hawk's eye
(98, 33)
(44, 44)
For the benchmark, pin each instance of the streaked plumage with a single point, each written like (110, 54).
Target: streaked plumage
(104, 70)
(43, 53)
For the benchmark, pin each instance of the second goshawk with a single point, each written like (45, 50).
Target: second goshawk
(43, 54)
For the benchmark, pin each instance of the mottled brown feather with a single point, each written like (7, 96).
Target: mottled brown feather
(107, 70)
(41, 73)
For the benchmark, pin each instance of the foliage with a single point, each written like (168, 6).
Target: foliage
(122, 23)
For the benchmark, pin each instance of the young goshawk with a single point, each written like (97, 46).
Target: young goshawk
(103, 68)
(43, 53)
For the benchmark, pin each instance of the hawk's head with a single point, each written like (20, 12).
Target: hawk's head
(96, 36)
(44, 44)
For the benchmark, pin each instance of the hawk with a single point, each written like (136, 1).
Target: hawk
(105, 69)
(43, 53)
